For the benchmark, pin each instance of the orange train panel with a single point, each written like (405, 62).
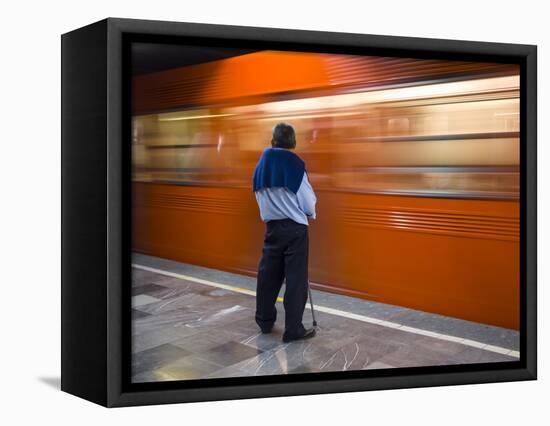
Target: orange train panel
(255, 75)
(353, 70)
(244, 76)
(212, 227)
(453, 257)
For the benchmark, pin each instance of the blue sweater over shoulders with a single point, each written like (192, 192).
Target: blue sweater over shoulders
(279, 167)
(282, 187)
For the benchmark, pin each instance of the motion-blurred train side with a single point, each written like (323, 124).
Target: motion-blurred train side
(415, 164)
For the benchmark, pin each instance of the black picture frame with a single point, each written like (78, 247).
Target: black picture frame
(96, 229)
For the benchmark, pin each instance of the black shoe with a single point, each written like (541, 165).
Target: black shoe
(308, 334)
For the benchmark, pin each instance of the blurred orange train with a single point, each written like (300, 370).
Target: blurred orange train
(415, 164)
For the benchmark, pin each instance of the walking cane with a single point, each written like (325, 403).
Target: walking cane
(311, 304)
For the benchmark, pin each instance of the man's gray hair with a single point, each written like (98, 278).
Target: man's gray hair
(283, 136)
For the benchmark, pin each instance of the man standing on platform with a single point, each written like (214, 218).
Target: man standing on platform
(286, 201)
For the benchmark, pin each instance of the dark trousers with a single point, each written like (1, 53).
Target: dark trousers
(285, 255)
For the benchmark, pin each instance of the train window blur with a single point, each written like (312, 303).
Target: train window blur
(446, 139)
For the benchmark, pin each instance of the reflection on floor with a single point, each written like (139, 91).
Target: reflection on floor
(194, 323)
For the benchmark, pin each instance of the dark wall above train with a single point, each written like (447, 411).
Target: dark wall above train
(151, 57)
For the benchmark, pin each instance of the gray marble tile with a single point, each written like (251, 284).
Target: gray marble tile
(317, 356)
(397, 336)
(184, 301)
(302, 369)
(142, 300)
(137, 314)
(224, 316)
(146, 376)
(187, 368)
(167, 293)
(230, 353)
(356, 355)
(265, 363)
(417, 356)
(154, 358)
(142, 340)
(283, 359)
(378, 365)
(430, 344)
(305, 357)
(220, 292)
(231, 371)
(148, 289)
(184, 319)
(247, 325)
(206, 339)
(263, 342)
(141, 277)
(474, 355)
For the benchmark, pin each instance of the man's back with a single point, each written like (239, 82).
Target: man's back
(274, 193)
(281, 203)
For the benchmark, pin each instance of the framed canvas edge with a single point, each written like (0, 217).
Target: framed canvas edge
(116, 394)
(83, 213)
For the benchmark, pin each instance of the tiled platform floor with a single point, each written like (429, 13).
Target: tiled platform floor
(187, 330)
